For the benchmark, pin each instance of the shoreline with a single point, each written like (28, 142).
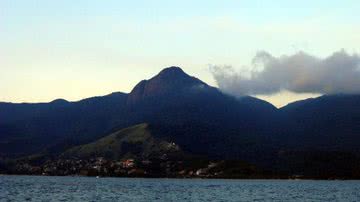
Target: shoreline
(191, 178)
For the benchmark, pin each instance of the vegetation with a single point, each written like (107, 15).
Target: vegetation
(133, 142)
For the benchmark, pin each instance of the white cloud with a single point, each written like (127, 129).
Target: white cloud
(300, 73)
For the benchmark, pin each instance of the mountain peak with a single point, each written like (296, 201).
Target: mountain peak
(59, 101)
(171, 73)
(168, 81)
(172, 70)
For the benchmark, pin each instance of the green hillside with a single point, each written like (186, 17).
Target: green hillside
(133, 142)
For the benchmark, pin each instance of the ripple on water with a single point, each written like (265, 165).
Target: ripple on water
(42, 188)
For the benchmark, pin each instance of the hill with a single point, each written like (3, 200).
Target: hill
(134, 142)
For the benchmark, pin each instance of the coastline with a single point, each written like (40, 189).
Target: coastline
(191, 178)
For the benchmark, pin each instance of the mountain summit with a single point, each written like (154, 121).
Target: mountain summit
(172, 71)
(169, 81)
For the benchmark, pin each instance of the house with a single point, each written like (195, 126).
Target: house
(128, 163)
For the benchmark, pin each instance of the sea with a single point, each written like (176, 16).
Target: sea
(48, 188)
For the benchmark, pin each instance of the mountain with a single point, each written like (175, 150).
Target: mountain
(329, 122)
(28, 127)
(181, 108)
(170, 81)
(305, 137)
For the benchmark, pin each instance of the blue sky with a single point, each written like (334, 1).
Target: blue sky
(76, 49)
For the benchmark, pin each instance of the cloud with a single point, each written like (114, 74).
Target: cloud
(300, 73)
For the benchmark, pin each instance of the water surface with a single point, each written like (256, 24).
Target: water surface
(43, 188)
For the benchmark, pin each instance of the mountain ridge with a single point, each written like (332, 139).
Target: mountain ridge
(199, 118)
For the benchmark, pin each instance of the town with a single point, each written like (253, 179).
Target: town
(102, 167)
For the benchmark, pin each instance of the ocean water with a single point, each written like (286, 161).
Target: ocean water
(43, 188)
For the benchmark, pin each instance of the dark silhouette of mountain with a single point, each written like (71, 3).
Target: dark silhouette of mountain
(170, 81)
(186, 109)
(27, 128)
(199, 118)
(329, 122)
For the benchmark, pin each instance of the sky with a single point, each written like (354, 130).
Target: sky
(77, 49)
